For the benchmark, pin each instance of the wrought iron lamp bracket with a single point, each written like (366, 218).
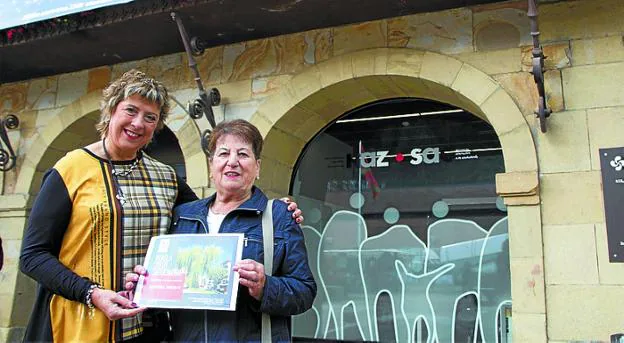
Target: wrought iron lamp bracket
(202, 105)
(7, 154)
(543, 111)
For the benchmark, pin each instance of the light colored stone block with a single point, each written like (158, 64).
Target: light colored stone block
(565, 147)
(557, 56)
(584, 312)
(529, 328)
(309, 128)
(527, 285)
(521, 87)
(517, 183)
(274, 108)
(12, 227)
(189, 138)
(240, 110)
(323, 106)
(369, 62)
(411, 86)
(598, 50)
(593, 86)
(379, 87)
(267, 86)
(505, 115)
(230, 54)
(13, 97)
(524, 200)
(511, 14)
(24, 298)
(440, 68)
(352, 93)
(292, 49)
(42, 93)
(609, 273)
(605, 131)
(405, 62)
(210, 65)
(300, 123)
(494, 62)
(44, 117)
(263, 124)
(196, 170)
(518, 150)
(525, 232)
(280, 179)
(580, 19)
(282, 147)
(372, 34)
(24, 180)
(13, 201)
(449, 32)
(554, 91)
(571, 198)
(570, 254)
(11, 335)
(6, 302)
(169, 69)
(305, 83)
(318, 46)
(234, 91)
(71, 87)
(336, 70)
(474, 84)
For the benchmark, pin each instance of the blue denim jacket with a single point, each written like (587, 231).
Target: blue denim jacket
(289, 291)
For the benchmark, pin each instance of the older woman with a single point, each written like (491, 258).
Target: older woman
(237, 206)
(93, 219)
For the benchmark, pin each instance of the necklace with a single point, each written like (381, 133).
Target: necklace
(120, 196)
(127, 172)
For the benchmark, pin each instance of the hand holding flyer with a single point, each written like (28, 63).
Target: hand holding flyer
(191, 271)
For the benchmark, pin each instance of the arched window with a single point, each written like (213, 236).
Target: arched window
(405, 233)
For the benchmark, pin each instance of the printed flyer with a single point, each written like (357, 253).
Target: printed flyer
(191, 271)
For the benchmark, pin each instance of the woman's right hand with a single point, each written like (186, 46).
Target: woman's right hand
(132, 279)
(113, 305)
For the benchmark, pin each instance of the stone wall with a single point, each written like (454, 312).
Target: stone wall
(564, 287)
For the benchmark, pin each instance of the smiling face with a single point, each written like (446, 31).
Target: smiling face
(132, 126)
(233, 166)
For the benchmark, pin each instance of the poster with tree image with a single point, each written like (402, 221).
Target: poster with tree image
(191, 271)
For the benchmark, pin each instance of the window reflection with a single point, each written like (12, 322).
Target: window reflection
(405, 234)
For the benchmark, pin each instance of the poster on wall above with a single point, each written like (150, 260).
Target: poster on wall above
(612, 170)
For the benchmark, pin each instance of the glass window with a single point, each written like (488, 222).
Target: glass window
(405, 234)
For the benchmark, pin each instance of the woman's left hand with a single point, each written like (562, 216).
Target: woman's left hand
(292, 207)
(252, 276)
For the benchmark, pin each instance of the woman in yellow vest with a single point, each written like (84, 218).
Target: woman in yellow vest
(93, 219)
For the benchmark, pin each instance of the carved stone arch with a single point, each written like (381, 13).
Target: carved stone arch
(188, 134)
(321, 93)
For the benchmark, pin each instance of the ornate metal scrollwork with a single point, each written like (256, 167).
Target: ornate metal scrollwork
(7, 154)
(543, 111)
(201, 106)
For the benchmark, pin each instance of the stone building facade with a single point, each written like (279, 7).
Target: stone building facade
(563, 287)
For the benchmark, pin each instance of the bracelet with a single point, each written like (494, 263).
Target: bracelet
(88, 300)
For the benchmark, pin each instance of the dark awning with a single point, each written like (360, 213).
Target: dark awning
(16, 13)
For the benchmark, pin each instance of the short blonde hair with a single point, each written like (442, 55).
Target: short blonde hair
(132, 82)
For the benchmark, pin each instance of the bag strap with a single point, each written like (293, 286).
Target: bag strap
(267, 239)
